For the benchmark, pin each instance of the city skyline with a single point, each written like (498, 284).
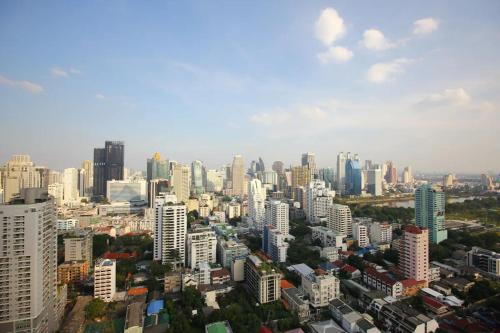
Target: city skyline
(199, 81)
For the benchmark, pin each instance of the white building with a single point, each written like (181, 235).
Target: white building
(181, 182)
(360, 234)
(320, 289)
(170, 230)
(340, 219)
(380, 232)
(233, 210)
(277, 215)
(57, 191)
(127, 190)
(329, 237)
(70, 184)
(105, 279)
(28, 264)
(274, 244)
(201, 247)
(262, 279)
(317, 200)
(66, 225)
(215, 181)
(256, 200)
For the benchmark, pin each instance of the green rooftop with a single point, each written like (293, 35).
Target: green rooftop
(218, 327)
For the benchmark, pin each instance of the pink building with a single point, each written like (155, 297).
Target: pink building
(414, 253)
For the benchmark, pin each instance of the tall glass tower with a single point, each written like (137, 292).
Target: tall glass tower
(429, 212)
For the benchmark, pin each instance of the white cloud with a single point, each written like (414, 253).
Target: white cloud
(56, 71)
(336, 54)
(25, 85)
(270, 119)
(455, 96)
(100, 96)
(374, 39)
(425, 26)
(313, 113)
(329, 26)
(386, 71)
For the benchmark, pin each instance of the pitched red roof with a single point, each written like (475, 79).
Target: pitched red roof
(432, 302)
(413, 229)
(349, 268)
(265, 329)
(285, 284)
(382, 276)
(119, 255)
(220, 272)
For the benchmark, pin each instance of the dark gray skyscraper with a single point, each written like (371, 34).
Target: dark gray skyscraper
(108, 165)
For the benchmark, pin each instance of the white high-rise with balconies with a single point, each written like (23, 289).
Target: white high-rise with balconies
(238, 175)
(256, 201)
(28, 263)
(317, 200)
(170, 230)
(277, 215)
(360, 234)
(105, 279)
(340, 219)
(70, 184)
(201, 247)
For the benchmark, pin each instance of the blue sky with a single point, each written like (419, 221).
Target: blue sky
(417, 82)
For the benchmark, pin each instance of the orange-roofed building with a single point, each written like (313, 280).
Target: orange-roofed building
(411, 286)
(137, 291)
(285, 284)
(119, 256)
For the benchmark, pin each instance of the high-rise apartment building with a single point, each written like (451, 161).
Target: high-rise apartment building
(198, 177)
(277, 215)
(262, 279)
(86, 186)
(170, 230)
(28, 263)
(108, 165)
(256, 200)
(156, 168)
(374, 181)
(414, 253)
(78, 246)
(181, 182)
(230, 250)
(201, 247)
(215, 180)
(360, 234)
(486, 260)
(407, 175)
(429, 212)
(340, 219)
(238, 176)
(105, 279)
(20, 172)
(301, 176)
(380, 232)
(391, 176)
(70, 183)
(317, 200)
(448, 180)
(274, 243)
(327, 175)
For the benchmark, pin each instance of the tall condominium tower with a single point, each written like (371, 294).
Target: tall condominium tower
(170, 230)
(198, 177)
(157, 168)
(429, 212)
(353, 177)
(340, 179)
(277, 215)
(108, 165)
(20, 172)
(391, 176)
(70, 184)
(88, 178)
(256, 199)
(340, 219)
(201, 246)
(309, 160)
(317, 200)
(238, 175)
(181, 182)
(301, 176)
(407, 175)
(414, 253)
(374, 181)
(28, 262)
(105, 279)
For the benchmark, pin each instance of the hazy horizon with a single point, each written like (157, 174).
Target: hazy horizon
(415, 83)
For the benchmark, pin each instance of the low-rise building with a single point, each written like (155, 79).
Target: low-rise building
(297, 302)
(328, 237)
(399, 317)
(485, 260)
(72, 271)
(350, 320)
(320, 288)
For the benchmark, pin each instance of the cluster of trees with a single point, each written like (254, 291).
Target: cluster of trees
(181, 313)
(384, 213)
(96, 308)
(484, 209)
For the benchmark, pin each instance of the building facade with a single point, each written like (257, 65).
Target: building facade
(430, 212)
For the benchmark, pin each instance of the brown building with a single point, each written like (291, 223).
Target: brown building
(72, 271)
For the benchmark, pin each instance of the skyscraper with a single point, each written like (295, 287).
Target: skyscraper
(407, 175)
(353, 177)
(301, 176)
(340, 219)
(429, 212)
(391, 176)
(108, 165)
(317, 200)
(201, 246)
(327, 175)
(70, 184)
(181, 182)
(277, 215)
(170, 230)
(238, 175)
(256, 199)
(20, 172)
(341, 159)
(28, 262)
(374, 182)
(278, 167)
(198, 177)
(88, 178)
(309, 160)
(157, 168)
(414, 253)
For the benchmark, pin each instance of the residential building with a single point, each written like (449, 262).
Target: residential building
(391, 175)
(19, 173)
(238, 175)
(277, 215)
(198, 177)
(320, 288)
(309, 160)
(170, 230)
(374, 181)
(317, 200)
(78, 246)
(201, 247)
(28, 263)
(429, 212)
(262, 279)
(274, 243)
(407, 175)
(340, 219)
(256, 208)
(414, 253)
(350, 320)
(327, 175)
(72, 271)
(230, 250)
(485, 260)
(57, 191)
(301, 176)
(108, 165)
(105, 279)
(399, 317)
(215, 181)
(66, 225)
(328, 237)
(380, 232)
(297, 301)
(448, 180)
(70, 185)
(360, 234)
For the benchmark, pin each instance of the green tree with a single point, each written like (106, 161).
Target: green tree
(158, 269)
(356, 262)
(95, 308)
(100, 244)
